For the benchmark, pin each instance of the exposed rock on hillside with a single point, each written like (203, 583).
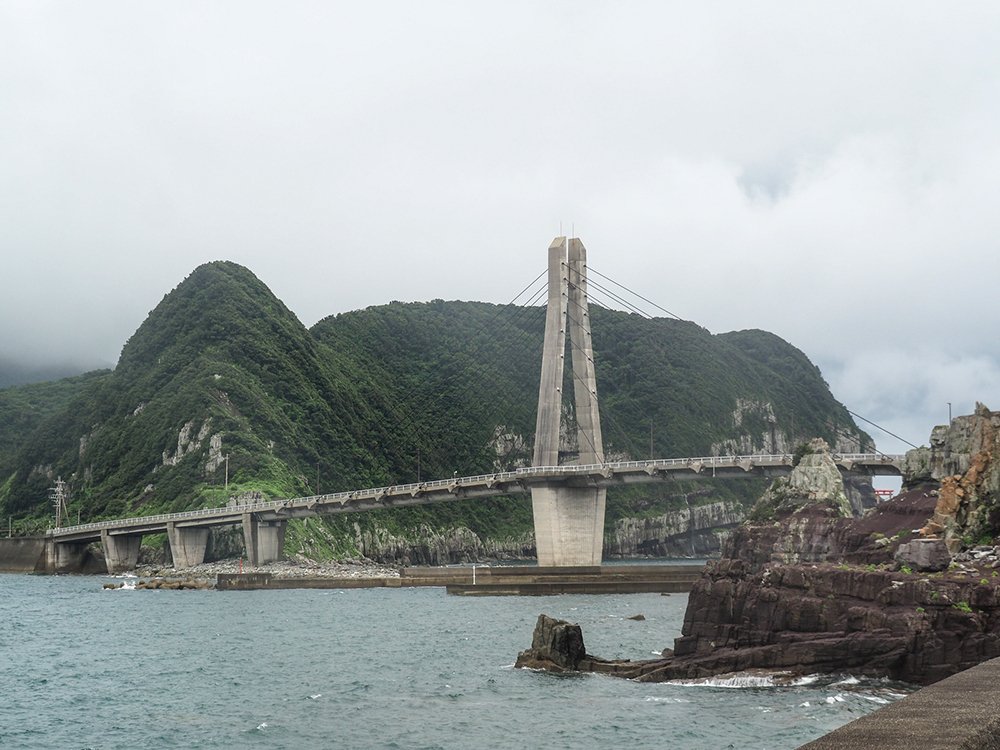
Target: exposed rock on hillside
(695, 531)
(963, 459)
(427, 546)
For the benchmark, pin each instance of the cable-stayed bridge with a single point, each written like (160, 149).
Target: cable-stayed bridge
(568, 501)
(520, 481)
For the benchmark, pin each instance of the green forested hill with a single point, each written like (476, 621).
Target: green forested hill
(449, 361)
(222, 368)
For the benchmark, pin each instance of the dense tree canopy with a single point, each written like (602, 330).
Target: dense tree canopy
(221, 368)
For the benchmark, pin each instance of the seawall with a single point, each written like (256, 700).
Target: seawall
(23, 555)
(38, 554)
(961, 712)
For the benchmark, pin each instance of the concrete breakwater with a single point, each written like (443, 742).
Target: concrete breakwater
(961, 712)
(498, 581)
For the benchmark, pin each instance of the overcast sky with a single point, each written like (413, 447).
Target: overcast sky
(826, 171)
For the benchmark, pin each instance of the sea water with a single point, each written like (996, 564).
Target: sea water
(82, 667)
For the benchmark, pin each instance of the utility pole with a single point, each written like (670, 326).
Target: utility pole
(418, 465)
(317, 477)
(58, 496)
(651, 440)
(227, 473)
(949, 413)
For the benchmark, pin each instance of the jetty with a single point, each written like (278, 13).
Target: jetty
(495, 581)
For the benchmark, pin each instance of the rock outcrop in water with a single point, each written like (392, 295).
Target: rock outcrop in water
(805, 587)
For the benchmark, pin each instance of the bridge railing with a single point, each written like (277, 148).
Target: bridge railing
(527, 472)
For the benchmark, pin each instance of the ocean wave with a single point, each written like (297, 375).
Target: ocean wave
(738, 680)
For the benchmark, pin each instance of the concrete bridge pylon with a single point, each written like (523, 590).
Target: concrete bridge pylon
(569, 520)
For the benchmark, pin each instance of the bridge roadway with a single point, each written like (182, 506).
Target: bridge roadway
(263, 522)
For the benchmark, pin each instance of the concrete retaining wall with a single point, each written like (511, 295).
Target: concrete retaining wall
(961, 712)
(36, 554)
(22, 554)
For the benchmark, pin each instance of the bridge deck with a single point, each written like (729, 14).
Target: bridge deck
(518, 481)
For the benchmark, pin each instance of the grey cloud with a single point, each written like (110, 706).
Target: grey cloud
(825, 172)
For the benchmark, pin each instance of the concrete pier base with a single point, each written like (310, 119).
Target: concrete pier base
(121, 551)
(264, 540)
(187, 545)
(569, 525)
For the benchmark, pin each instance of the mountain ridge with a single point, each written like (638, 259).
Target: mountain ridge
(221, 368)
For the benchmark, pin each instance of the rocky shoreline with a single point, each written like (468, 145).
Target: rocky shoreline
(910, 590)
(297, 567)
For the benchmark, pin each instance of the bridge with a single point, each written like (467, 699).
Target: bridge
(263, 522)
(568, 501)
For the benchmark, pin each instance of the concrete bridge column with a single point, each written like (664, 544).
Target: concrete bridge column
(66, 557)
(569, 525)
(569, 521)
(187, 545)
(121, 551)
(264, 540)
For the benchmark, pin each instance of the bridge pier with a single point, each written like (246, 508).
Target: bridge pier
(64, 558)
(121, 551)
(187, 545)
(569, 525)
(264, 540)
(569, 521)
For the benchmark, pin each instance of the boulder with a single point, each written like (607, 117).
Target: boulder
(556, 646)
(925, 555)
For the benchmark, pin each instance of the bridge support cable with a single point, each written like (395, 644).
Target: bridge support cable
(633, 308)
(879, 427)
(482, 382)
(636, 294)
(408, 420)
(841, 432)
(605, 414)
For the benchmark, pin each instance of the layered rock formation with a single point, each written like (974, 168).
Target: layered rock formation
(695, 531)
(805, 587)
(425, 545)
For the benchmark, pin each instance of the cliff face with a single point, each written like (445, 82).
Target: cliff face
(805, 587)
(962, 461)
(425, 545)
(696, 531)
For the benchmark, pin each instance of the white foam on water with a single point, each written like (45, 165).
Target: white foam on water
(875, 699)
(838, 698)
(315, 697)
(732, 681)
(262, 726)
(665, 699)
(848, 681)
(808, 679)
